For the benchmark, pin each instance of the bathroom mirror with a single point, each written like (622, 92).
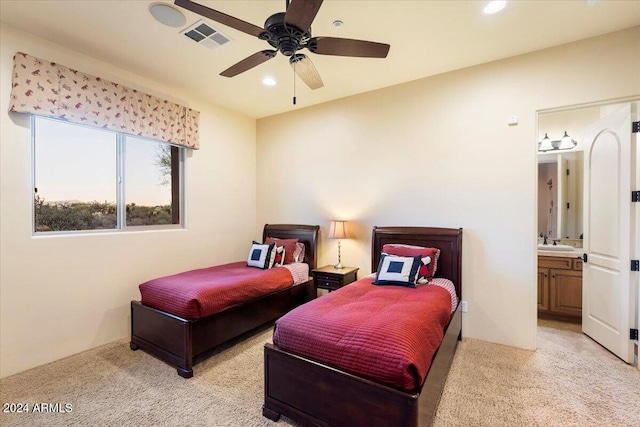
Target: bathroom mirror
(560, 200)
(560, 195)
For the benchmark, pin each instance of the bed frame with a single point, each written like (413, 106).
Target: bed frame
(183, 343)
(312, 393)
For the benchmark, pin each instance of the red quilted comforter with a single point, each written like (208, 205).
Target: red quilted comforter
(199, 293)
(387, 334)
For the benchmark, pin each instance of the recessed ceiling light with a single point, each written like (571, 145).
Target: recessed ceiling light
(337, 23)
(269, 81)
(494, 6)
(167, 15)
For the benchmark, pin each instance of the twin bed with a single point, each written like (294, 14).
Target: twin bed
(182, 330)
(346, 390)
(362, 355)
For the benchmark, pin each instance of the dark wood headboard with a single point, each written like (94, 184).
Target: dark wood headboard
(307, 234)
(448, 240)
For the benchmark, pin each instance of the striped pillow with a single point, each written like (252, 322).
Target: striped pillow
(299, 253)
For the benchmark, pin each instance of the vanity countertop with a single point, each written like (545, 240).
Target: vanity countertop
(575, 253)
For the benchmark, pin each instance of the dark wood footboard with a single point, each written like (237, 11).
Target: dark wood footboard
(312, 393)
(183, 343)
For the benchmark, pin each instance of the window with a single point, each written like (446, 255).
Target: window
(92, 179)
(149, 188)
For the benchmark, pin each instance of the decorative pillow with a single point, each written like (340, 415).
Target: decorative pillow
(298, 255)
(289, 246)
(279, 253)
(260, 255)
(423, 271)
(409, 250)
(398, 270)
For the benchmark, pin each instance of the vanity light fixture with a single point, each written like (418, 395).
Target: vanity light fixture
(545, 144)
(566, 143)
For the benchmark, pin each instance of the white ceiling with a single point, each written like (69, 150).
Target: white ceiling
(426, 38)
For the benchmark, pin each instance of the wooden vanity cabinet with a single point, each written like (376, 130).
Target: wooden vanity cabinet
(560, 287)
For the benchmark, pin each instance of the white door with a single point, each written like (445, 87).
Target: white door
(608, 303)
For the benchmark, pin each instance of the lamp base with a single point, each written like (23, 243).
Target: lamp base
(338, 266)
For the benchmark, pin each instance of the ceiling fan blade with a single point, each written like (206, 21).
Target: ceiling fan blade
(220, 17)
(305, 69)
(249, 62)
(301, 13)
(348, 47)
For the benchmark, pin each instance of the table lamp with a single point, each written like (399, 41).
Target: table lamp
(338, 230)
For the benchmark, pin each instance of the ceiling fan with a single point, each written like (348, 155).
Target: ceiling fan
(289, 32)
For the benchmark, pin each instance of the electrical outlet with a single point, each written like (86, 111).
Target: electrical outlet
(463, 306)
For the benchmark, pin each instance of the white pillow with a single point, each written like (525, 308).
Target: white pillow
(398, 270)
(260, 256)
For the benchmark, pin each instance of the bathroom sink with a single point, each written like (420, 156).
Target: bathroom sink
(555, 247)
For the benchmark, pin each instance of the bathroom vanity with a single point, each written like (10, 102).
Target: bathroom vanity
(560, 284)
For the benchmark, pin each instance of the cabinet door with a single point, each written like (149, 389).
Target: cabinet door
(543, 289)
(566, 292)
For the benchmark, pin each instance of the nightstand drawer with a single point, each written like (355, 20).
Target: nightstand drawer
(323, 281)
(331, 278)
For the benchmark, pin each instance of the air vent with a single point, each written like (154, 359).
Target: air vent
(205, 35)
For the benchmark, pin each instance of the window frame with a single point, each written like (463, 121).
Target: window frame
(178, 185)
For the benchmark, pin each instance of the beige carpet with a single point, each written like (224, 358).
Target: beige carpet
(569, 381)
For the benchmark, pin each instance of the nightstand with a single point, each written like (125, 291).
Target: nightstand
(330, 278)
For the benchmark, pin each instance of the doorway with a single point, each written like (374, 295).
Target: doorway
(560, 209)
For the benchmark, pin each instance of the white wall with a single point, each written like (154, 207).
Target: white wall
(62, 295)
(439, 152)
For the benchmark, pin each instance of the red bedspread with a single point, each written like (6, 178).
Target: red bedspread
(199, 293)
(388, 334)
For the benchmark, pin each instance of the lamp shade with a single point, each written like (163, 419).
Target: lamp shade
(338, 230)
(566, 142)
(545, 144)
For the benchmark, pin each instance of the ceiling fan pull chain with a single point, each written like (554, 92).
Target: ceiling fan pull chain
(294, 83)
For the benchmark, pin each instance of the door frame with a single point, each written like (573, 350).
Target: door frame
(602, 103)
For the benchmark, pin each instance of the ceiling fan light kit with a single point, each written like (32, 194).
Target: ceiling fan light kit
(288, 33)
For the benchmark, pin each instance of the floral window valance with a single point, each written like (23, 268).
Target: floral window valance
(48, 89)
